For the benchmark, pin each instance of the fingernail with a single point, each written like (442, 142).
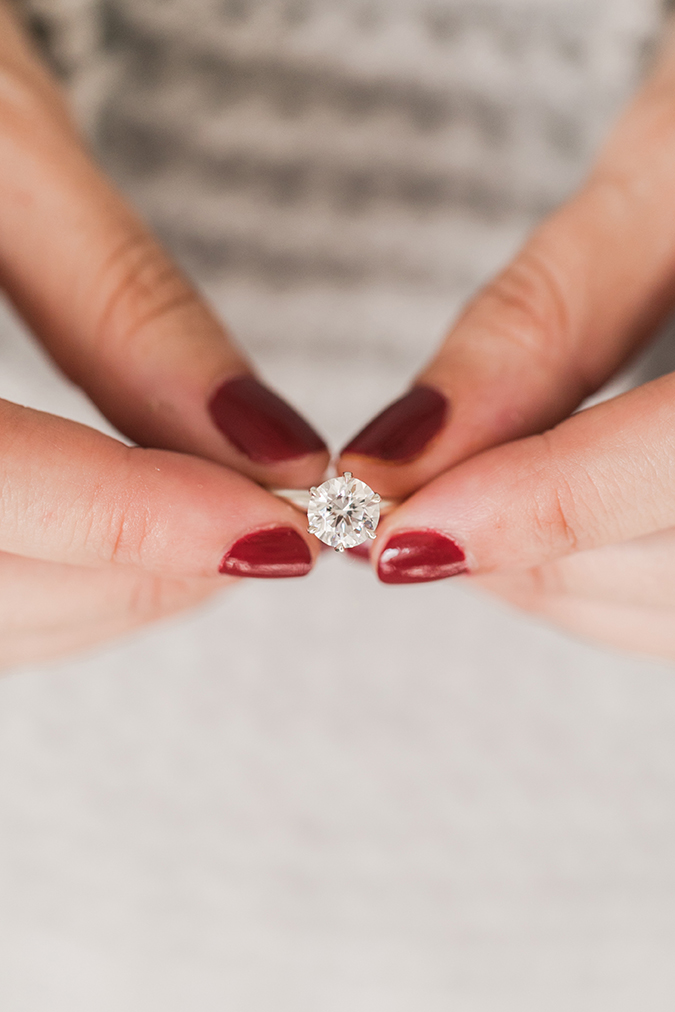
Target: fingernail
(402, 431)
(261, 424)
(269, 555)
(419, 557)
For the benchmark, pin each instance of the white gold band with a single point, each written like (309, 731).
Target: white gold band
(300, 497)
(342, 512)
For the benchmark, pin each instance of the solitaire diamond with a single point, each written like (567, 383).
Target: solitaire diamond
(343, 512)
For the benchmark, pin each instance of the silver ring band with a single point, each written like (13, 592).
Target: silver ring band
(343, 512)
(300, 497)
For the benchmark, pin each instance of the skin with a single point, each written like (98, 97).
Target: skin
(97, 537)
(568, 517)
(571, 518)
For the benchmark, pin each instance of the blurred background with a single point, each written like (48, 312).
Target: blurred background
(337, 795)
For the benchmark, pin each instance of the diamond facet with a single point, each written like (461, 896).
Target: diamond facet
(343, 512)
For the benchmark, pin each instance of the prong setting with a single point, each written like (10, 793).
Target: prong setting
(343, 512)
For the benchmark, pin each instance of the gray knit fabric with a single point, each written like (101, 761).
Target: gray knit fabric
(298, 150)
(367, 142)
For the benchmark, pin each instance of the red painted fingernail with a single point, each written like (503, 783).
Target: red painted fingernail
(271, 554)
(261, 424)
(419, 557)
(402, 431)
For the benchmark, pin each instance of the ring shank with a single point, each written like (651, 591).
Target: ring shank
(299, 497)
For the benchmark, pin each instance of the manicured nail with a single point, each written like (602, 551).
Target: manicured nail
(403, 430)
(419, 557)
(268, 555)
(261, 424)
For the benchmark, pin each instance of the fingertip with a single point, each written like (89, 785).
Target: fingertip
(274, 553)
(404, 429)
(420, 556)
(207, 520)
(390, 480)
(261, 424)
(300, 474)
(390, 452)
(264, 436)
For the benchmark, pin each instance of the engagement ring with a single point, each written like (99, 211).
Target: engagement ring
(343, 512)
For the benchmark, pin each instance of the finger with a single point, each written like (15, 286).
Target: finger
(605, 475)
(49, 609)
(637, 573)
(70, 494)
(113, 310)
(584, 293)
(639, 629)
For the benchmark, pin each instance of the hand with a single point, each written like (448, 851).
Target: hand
(97, 536)
(576, 523)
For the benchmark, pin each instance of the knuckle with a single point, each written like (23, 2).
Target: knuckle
(129, 532)
(553, 521)
(553, 509)
(121, 527)
(141, 286)
(530, 309)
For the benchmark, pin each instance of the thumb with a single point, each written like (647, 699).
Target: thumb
(603, 476)
(585, 292)
(69, 494)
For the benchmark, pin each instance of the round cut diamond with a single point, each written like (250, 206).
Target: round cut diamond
(343, 512)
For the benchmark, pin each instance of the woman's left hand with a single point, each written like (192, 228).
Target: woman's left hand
(96, 537)
(110, 306)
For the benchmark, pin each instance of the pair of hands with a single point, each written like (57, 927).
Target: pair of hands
(571, 517)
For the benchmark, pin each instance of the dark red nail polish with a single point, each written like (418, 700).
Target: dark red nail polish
(402, 431)
(261, 424)
(271, 554)
(419, 557)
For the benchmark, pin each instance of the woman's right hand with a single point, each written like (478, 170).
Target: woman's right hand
(96, 536)
(570, 517)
